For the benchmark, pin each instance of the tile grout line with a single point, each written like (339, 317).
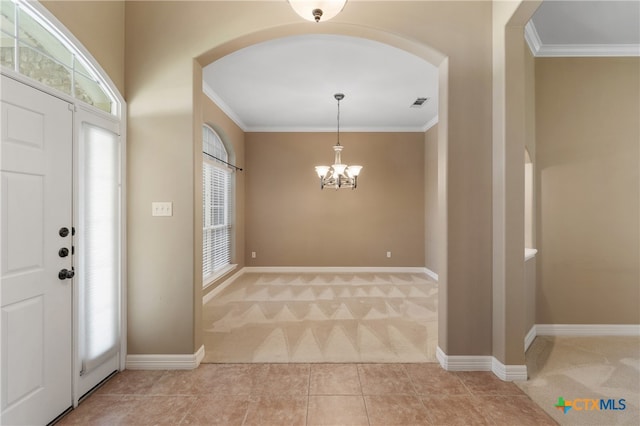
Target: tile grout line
(364, 401)
(417, 394)
(306, 422)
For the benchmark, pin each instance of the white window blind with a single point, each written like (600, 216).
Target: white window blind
(99, 246)
(216, 206)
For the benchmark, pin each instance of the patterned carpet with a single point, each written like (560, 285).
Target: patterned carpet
(323, 318)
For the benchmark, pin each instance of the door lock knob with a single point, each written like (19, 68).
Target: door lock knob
(66, 274)
(63, 232)
(63, 252)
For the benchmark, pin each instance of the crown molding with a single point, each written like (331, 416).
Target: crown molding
(342, 129)
(207, 90)
(541, 50)
(588, 50)
(223, 106)
(532, 38)
(430, 123)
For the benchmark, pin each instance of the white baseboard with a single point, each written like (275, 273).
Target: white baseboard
(530, 337)
(165, 362)
(431, 274)
(587, 329)
(335, 269)
(580, 330)
(508, 373)
(463, 362)
(481, 363)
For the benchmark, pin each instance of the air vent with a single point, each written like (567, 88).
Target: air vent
(419, 102)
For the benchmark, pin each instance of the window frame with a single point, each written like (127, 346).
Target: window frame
(81, 65)
(212, 144)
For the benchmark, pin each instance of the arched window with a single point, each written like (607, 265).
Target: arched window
(216, 206)
(30, 46)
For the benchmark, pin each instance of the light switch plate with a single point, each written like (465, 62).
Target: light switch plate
(162, 208)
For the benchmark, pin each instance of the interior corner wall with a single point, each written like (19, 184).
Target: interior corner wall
(292, 222)
(431, 198)
(587, 156)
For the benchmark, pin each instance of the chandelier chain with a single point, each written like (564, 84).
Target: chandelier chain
(338, 121)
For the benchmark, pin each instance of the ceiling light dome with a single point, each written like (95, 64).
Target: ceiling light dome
(317, 10)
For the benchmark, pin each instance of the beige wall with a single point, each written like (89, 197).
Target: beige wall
(587, 155)
(431, 198)
(99, 26)
(292, 222)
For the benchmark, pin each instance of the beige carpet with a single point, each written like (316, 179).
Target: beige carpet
(323, 318)
(585, 368)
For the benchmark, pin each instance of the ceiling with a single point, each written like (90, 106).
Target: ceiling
(585, 28)
(288, 84)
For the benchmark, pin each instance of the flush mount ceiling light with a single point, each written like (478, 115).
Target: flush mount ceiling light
(317, 10)
(338, 175)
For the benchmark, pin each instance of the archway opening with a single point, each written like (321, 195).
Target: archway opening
(425, 53)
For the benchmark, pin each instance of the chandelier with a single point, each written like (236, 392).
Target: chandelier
(317, 10)
(338, 175)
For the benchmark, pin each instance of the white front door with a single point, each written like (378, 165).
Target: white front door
(36, 270)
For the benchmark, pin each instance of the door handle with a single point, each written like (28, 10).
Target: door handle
(66, 274)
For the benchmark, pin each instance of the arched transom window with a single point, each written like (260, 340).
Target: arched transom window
(30, 46)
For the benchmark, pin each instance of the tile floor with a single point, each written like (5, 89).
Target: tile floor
(308, 394)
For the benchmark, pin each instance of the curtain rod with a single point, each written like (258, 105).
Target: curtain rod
(221, 160)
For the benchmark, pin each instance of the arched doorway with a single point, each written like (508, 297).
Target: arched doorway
(422, 51)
